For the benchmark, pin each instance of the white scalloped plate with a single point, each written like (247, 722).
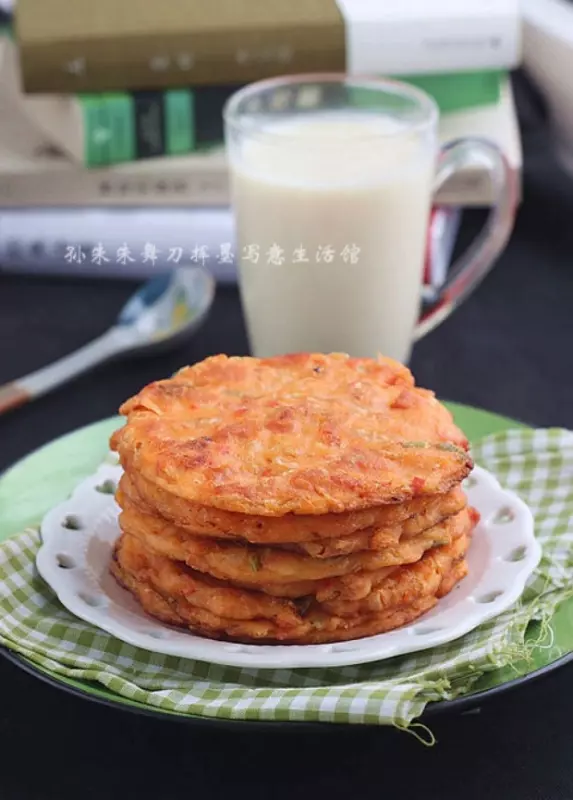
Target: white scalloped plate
(79, 534)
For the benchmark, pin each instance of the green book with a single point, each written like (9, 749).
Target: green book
(126, 126)
(122, 126)
(460, 91)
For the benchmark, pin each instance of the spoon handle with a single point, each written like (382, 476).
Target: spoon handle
(12, 395)
(44, 380)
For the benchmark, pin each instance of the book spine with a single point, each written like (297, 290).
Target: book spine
(122, 126)
(40, 240)
(417, 36)
(366, 38)
(202, 186)
(218, 57)
(196, 185)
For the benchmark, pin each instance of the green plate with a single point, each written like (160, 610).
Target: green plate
(47, 477)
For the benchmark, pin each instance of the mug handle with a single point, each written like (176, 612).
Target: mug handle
(474, 264)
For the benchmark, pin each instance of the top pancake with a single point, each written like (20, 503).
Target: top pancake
(300, 434)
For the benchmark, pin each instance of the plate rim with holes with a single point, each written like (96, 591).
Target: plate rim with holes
(94, 607)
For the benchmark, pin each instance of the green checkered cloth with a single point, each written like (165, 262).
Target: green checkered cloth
(538, 465)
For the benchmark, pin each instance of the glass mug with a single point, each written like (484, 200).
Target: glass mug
(332, 182)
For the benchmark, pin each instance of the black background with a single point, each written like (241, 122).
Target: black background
(508, 349)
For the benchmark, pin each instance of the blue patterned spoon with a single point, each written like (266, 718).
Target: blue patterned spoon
(163, 312)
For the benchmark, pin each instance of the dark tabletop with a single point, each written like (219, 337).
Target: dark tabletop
(508, 349)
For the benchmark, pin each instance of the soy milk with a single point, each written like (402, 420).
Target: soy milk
(332, 213)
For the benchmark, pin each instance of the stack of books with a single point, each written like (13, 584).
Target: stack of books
(107, 104)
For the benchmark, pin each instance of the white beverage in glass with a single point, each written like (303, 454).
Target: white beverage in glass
(338, 215)
(332, 201)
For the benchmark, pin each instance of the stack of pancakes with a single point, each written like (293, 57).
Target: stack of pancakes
(298, 499)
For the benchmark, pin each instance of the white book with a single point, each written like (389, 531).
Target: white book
(407, 37)
(138, 243)
(85, 242)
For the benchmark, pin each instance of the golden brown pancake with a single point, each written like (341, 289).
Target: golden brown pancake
(405, 586)
(179, 613)
(298, 499)
(314, 531)
(432, 513)
(302, 434)
(179, 595)
(315, 626)
(255, 565)
(174, 579)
